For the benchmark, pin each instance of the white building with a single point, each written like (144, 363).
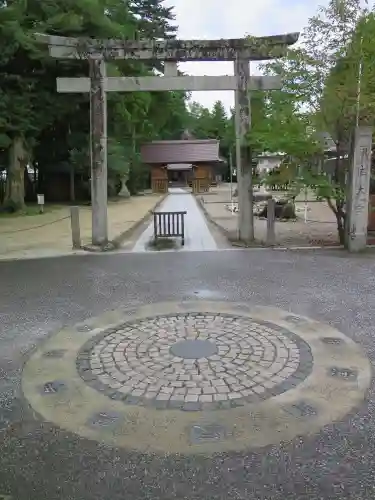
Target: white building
(268, 162)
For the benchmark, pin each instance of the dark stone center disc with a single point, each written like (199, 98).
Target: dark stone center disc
(193, 349)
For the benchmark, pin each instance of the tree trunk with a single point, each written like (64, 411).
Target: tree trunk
(340, 218)
(340, 215)
(15, 183)
(72, 188)
(339, 178)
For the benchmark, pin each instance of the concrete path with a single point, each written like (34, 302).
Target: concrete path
(198, 236)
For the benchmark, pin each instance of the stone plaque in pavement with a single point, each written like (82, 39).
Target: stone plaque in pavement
(55, 353)
(53, 387)
(297, 320)
(332, 341)
(84, 328)
(344, 373)
(200, 433)
(301, 409)
(104, 419)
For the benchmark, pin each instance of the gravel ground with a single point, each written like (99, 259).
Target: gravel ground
(319, 230)
(50, 233)
(39, 461)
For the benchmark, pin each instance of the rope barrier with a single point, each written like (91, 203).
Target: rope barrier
(320, 221)
(34, 227)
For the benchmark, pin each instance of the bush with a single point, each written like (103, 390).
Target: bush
(284, 210)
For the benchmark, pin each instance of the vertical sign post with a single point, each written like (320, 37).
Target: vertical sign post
(359, 191)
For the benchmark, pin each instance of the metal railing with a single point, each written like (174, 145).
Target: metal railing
(169, 225)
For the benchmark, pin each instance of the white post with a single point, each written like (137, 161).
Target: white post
(75, 227)
(271, 234)
(40, 198)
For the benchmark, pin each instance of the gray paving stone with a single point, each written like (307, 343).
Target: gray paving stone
(190, 398)
(245, 358)
(191, 406)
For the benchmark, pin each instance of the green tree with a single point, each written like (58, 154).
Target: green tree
(154, 19)
(210, 124)
(200, 122)
(321, 78)
(219, 121)
(45, 128)
(28, 96)
(349, 29)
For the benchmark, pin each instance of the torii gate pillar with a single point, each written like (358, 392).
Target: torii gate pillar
(98, 152)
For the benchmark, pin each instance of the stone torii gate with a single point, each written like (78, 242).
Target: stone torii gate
(97, 52)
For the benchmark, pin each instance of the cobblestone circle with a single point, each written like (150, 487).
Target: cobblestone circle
(254, 361)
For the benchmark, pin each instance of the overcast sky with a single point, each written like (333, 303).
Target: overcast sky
(235, 19)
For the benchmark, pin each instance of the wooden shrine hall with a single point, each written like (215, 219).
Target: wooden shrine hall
(182, 163)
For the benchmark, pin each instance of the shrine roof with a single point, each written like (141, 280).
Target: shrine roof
(182, 151)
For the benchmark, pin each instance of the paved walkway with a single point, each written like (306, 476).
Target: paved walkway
(198, 236)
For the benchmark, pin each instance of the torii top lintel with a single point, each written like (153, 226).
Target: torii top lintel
(251, 48)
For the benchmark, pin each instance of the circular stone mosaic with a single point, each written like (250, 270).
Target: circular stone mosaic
(201, 361)
(196, 377)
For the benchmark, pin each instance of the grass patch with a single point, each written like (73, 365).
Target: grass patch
(162, 244)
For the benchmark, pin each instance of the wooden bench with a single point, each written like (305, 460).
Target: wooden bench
(169, 225)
